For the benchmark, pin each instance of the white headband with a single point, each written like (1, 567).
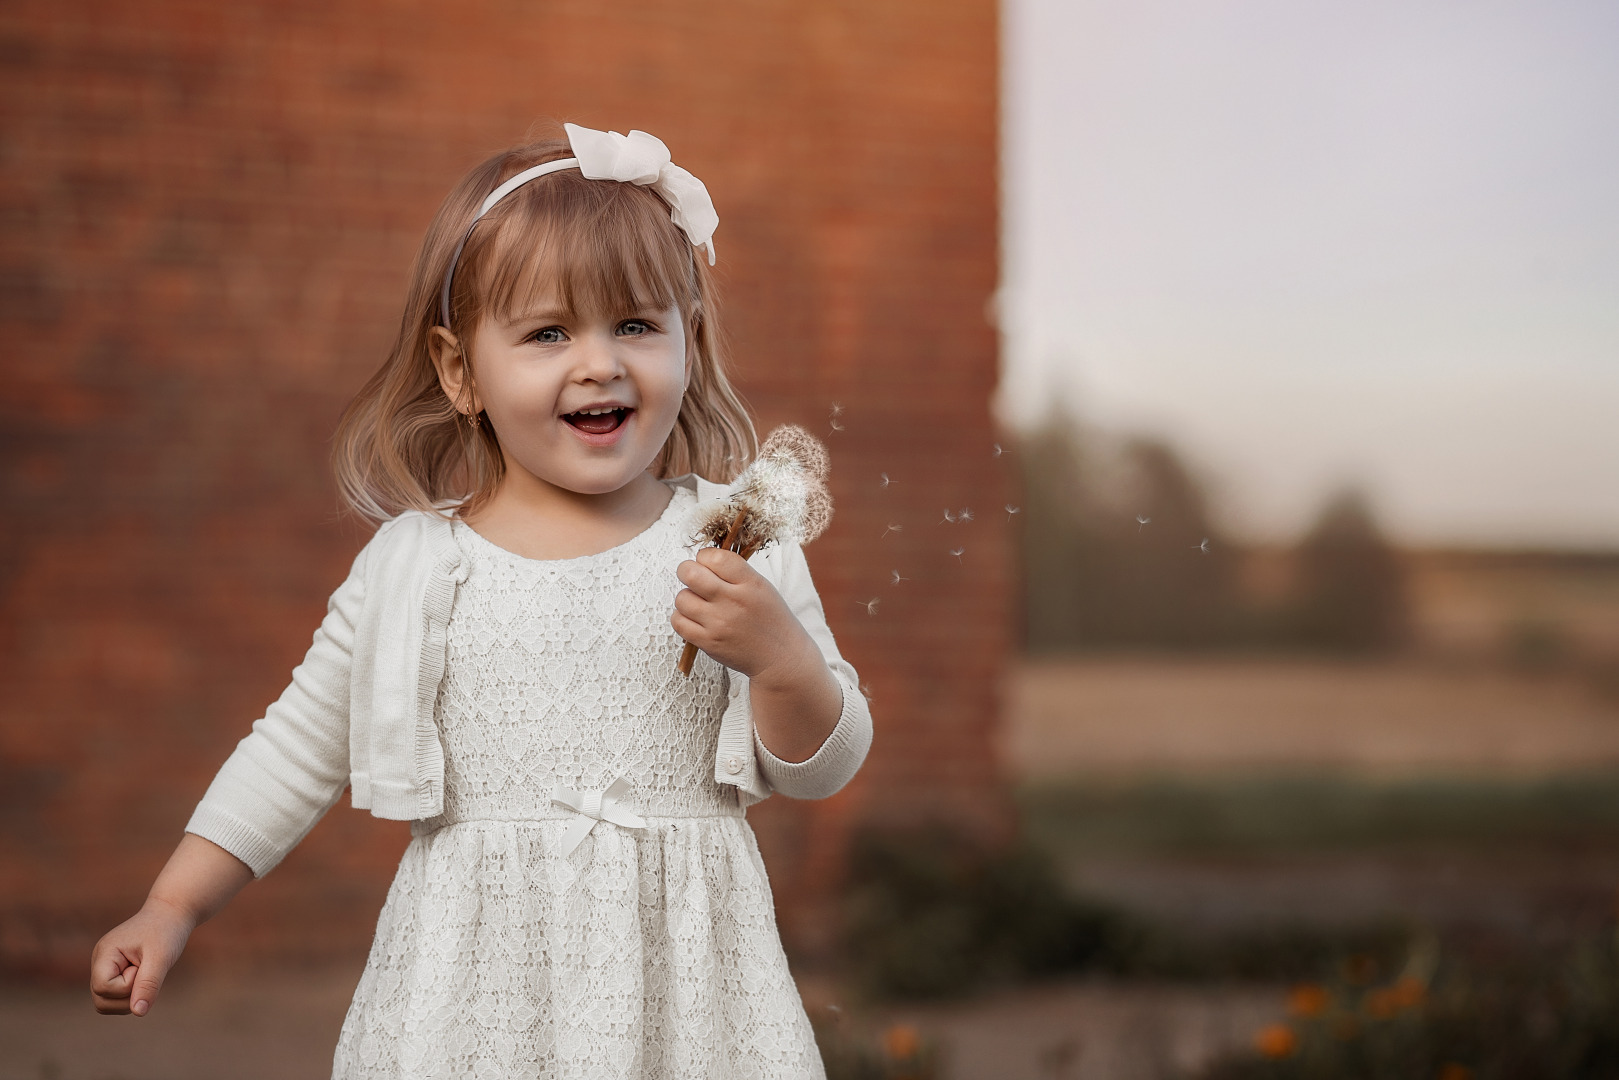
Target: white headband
(636, 158)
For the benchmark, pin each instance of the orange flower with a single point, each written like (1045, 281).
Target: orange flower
(901, 1042)
(1404, 994)
(1380, 1004)
(1308, 999)
(1276, 1041)
(1452, 1071)
(1409, 992)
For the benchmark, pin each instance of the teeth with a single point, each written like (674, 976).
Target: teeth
(597, 412)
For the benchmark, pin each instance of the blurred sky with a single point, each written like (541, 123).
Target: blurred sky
(1324, 243)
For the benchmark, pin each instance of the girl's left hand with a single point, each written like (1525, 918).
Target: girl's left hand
(733, 614)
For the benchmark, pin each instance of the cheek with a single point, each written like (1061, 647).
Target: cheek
(663, 387)
(507, 393)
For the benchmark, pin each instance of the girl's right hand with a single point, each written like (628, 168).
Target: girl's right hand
(128, 965)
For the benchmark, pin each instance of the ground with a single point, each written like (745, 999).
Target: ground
(1397, 785)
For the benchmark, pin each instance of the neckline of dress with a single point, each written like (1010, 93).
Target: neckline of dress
(479, 540)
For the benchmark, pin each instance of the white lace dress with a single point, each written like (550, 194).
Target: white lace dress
(642, 952)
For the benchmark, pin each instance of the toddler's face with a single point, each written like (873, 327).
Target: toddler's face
(581, 402)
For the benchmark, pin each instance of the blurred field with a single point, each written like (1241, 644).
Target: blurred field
(1284, 792)
(1125, 717)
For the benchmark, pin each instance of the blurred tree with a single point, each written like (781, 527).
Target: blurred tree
(1350, 593)
(1054, 497)
(1114, 546)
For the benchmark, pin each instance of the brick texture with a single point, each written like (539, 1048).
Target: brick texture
(209, 210)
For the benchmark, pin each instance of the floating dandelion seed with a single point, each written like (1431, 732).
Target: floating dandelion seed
(886, 480)
(1142, 522)
(965, 514)
(836, 426)
(870, 605)
(897, 578)
(949, 517)
(1010, 510)
(837, 410)
(997, 452)
(958, 552)
(1203, 547)
(891, 528)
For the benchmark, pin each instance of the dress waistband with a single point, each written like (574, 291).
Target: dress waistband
(539, 816)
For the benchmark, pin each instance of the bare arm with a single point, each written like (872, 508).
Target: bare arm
(796, 703)
(129, 964)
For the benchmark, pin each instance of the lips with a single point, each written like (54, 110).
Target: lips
(597, 421)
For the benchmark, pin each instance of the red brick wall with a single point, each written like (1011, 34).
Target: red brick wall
(208, 214)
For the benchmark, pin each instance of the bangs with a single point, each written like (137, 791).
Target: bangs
(593, 249)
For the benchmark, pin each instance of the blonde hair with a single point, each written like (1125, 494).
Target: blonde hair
(602, 247)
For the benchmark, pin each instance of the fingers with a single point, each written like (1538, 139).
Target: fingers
(111, 977)
(727, 565)
(700, 579)
(148, 981)
(113, 971)
(687, 628)
(124, 983)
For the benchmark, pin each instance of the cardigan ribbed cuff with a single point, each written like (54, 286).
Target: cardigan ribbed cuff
(829, 768)
(236, 836)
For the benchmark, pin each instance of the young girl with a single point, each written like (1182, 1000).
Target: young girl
(581, 895)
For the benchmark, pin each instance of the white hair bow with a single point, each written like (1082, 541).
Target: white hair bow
(636, 158)
(639, 158)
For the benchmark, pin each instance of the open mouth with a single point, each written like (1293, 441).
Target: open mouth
(598, 421)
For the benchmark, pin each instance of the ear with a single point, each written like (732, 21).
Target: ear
(454, 372)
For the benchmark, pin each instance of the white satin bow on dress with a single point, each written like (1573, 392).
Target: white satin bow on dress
(594, 806)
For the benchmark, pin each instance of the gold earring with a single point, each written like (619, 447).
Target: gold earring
(472, 418)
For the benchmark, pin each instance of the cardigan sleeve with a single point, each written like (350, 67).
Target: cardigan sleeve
(283, 777)
(840, 756)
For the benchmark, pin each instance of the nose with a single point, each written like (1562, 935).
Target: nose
(598, 358)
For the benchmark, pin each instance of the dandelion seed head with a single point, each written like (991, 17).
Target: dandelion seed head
(784, 492)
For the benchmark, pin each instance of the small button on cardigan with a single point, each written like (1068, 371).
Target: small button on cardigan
(359, 710)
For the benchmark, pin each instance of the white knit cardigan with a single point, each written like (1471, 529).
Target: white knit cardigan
(359, 711)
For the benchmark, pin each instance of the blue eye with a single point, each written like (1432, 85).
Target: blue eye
(634, 327)
(550, 335)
